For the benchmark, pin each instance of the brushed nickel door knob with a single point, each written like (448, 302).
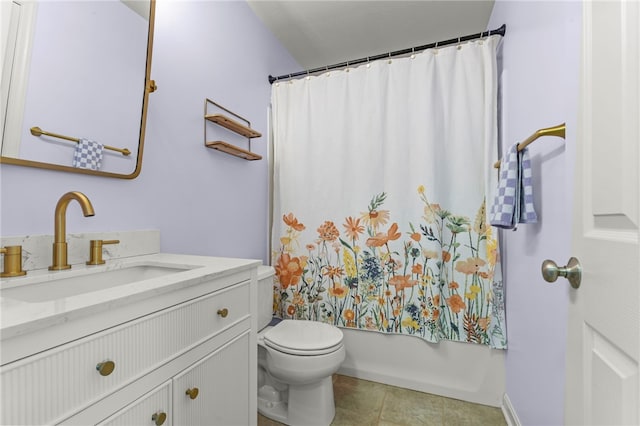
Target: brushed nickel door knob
(572, 271)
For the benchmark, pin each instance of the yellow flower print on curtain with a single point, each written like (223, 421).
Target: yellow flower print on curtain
(438, 278)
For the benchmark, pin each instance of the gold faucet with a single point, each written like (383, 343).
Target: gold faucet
(60, 236)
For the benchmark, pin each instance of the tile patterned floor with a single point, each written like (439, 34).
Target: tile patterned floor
(364, 403)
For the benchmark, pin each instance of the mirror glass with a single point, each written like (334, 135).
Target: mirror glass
(76, 71)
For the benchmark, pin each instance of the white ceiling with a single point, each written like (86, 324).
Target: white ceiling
(319, 33)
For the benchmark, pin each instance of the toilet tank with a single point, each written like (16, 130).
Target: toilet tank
(265, 295)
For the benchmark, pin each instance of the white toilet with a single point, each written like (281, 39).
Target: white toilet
(295, 362)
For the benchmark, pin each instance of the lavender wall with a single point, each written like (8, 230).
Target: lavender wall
(202, 201)
(540, 61)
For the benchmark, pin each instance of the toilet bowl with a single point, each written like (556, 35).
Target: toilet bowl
(296, 360)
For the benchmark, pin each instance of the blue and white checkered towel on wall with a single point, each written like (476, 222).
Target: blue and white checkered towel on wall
(527, 209)
(88, 155)
(514, 201)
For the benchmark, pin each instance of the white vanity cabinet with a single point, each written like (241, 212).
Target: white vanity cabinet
(203, 337)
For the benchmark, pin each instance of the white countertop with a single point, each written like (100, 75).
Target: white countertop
(18, 317)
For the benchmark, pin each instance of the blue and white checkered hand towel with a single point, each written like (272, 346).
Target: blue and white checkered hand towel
(88, 155)
(514, 200)
(527, 210)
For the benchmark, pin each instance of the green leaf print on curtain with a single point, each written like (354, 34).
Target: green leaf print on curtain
(436, 278)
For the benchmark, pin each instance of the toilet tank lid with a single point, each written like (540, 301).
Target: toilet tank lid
(304, 335)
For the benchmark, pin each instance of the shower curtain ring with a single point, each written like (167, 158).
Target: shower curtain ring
(413, 53)
(390, 57)
(459, 46)
(368, 63)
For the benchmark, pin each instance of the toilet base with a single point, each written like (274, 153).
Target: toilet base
(306, 405)
(271, 405)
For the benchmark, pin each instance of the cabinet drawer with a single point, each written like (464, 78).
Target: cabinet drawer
(56, 383)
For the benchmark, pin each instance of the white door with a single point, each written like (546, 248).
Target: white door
(602, 382)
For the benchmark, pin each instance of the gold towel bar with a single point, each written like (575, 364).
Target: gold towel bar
(558, 130)
(37, 131)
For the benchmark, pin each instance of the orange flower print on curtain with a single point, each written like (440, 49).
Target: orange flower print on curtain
(436, 279)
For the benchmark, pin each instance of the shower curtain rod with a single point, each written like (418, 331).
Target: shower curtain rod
(498, 31)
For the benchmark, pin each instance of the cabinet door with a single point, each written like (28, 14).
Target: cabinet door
(154, 408)
(215, 390)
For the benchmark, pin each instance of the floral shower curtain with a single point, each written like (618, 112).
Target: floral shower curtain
(381, 178)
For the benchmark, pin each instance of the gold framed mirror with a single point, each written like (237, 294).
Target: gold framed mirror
(74, 71)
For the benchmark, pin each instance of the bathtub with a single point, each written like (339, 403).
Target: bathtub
(478, 373)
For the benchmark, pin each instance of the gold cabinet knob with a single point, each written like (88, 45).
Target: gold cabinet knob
(223, 312)
(159, 418)
(193, 393)
(106, 368)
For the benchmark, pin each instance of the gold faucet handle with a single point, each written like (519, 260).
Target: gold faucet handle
(12, 262)
(95, 251)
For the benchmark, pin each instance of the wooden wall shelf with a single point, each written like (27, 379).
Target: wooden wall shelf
(234, 126)
(233, 150)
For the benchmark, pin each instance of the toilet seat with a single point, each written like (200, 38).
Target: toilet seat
(304, 338)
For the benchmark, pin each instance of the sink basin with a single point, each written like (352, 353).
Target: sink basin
(58, 288)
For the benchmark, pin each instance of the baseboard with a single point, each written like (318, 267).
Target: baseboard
(475, 397)
(509, 412)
